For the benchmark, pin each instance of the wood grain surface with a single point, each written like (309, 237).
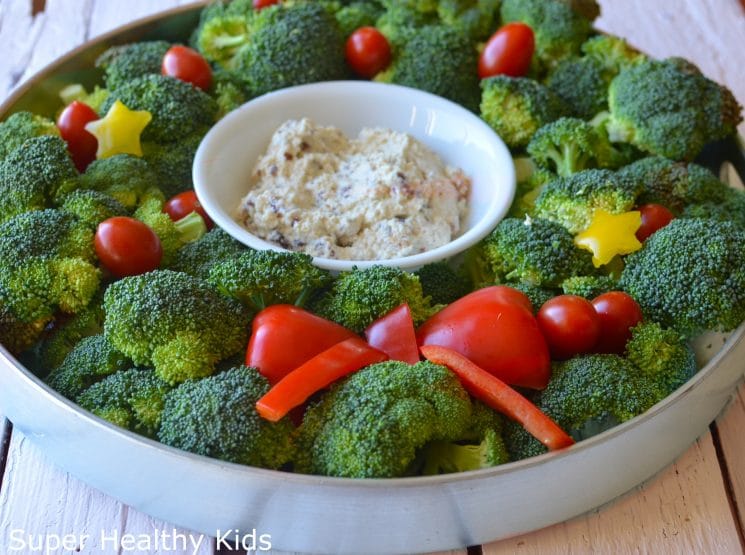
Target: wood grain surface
(694, 506)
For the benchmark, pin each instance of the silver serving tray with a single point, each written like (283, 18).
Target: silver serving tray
(334, 515)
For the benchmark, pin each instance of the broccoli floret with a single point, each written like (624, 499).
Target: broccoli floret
(588, 394)
(530, 181)
(174, 323)
(93, 207)
(289, 46)
(20, 127)
(178, 108)
(440, 60)
(538, 252)
(537, 295)
(47, 259)
(611, 54)
(15, 335)
(519, 443)
(124, 63)
(674, 185)
(400, 23)
(372, 424)
(588, 287)
(228, 91)
(32, 173)
(579, 83)
(132, 399)
(124, 177)
(690, 276)
(669, 108)
(217, 417)
(663, 355)
(223, 29)
(516, 107)
(91, 360)
(198, 257)
(559, 30)
(441, 283)
(357, 14)
(569, 145)
(571, 201)
(359, 297)
(262, 278)
(172, 163)
(731, 209)
(477, 19)
(589, 9)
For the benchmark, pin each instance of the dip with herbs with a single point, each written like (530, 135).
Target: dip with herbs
(381, 195)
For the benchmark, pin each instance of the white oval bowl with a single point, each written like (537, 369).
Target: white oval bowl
(228, 154)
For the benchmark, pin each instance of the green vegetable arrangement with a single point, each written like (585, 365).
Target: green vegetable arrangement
(595, 127)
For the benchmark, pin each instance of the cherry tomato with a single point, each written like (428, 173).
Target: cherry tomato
(81, 144)
(127, 247)
(368, 52)
(570, 325)
(508, 51)
(259, 4)
(184, 204)
(654, 218)
(187, 65)
(394, 335)
(494, 329)
(618, 313)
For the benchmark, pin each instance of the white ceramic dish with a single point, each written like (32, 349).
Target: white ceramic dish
(228, 153)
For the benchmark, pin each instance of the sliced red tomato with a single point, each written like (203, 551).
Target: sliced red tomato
(508, 51)
(71, 124)
(618, 312)
(184, 204)
(127, 247)
(494, 327)
(368, 52)
(284, 336)
(188, 65)
(316, 374)
(394, 335)
(570, 325)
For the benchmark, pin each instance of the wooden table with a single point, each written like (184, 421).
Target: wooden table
(694, 506)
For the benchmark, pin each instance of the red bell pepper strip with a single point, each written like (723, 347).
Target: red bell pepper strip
(394, 335)
(284, 336)
(316, 374)
(499, 396)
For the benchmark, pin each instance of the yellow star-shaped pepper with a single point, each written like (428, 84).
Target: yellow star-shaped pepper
(609, 235)
(119, 131)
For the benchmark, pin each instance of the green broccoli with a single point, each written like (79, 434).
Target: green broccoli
(441, 283)
(124, 177)
(76, 91)
(174, 323)
(663, 355)
(15, 335)
(538, 252)
(589, 9)
(91, 360)
(93, 207)
(611, 54)
(730, 209)
(20, 127)
(359, 297)
(259, 278)
(228, 91)
(357, 14)
(674, 185)
(224, 28)
(579, 83)
(530, 181)
(172, 163)
(178, 108)
(440, 60)
(519, 443)
(198, 257)
(217, 417)
(400, 23)
(124, 63)
(670, 109)
(571, 201)
(32, 173)
(289, 46)
(690, 276)
(477, 19)
(132, 399)
(559, 30)
(588, 287)
(537, 295)
(516, 107)
(371, 424)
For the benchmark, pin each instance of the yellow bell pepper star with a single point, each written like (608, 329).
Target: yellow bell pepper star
(609, 235)
(119, 131)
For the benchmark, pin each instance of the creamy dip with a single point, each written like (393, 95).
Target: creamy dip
(381, 195)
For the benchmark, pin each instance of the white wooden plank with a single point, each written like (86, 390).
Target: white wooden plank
(108, 14)
(729, 428)
(18, 37)
(682, 510)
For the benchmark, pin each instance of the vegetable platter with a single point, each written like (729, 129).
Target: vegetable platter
(344, 515)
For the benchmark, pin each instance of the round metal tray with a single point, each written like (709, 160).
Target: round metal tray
(333, 515)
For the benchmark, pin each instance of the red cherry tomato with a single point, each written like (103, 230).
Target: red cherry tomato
(508, 51)
(618, 313)
(187, 65)
(494, 329)
(368, 52)
(654, 218)
(184, 204)
(394, 335)
(259, 4)
(81, 144)
(570, 325)
(127, 247)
